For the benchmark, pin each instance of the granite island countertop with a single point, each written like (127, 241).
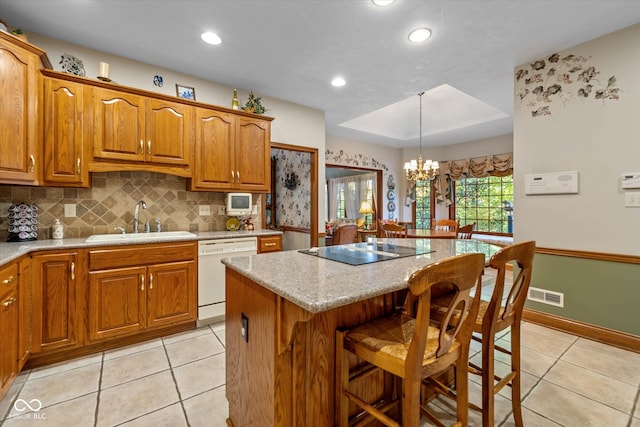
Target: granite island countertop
(318, 284)
(10, 251)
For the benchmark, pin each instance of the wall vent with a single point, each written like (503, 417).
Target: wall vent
(546, 297)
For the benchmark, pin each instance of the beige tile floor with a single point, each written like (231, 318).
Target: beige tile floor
(179, 381)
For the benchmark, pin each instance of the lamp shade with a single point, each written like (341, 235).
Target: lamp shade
(365, 208)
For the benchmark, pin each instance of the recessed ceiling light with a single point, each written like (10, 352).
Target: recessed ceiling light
(338, 81)
(211, 38)
(382, 2)
(419, 35)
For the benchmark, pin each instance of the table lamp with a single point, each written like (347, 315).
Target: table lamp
(365, 208)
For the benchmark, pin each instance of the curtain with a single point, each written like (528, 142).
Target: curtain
(477, 167)
(355, 192)
(334, 198)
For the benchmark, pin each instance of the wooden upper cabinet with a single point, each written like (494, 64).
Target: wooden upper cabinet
(140, 130)
(19, 161)
(118, 126)
(64, 160)
(232, 152)
(169, 128)
(253, 154)
(214, 152)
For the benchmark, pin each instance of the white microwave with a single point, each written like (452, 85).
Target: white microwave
(238, 204)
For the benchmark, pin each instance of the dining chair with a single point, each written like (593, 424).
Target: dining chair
(502, 311)
(392, 230)
(445, 225)
(408, 347)
(345, 233)
(466, 231)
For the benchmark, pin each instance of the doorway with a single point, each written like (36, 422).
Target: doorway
(297, 181)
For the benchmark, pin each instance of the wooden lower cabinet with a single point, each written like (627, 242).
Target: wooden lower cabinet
(55, 320)
(269, 243)
(9, 303)
(157, 289)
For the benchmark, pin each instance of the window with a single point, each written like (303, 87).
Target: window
(345, 195)
(423, 205)
(486, 201)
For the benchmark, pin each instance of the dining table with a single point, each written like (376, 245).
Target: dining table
(420, 233)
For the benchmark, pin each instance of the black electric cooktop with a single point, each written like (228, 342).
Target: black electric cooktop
(365, 253)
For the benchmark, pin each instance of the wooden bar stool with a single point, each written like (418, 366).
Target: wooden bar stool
(502, 311)
(410, 348)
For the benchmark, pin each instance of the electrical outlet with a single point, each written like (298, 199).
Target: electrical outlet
(254, 210)
(221, 210)
(69, 210)
(4, 209)
(244, 328)
(204, 210)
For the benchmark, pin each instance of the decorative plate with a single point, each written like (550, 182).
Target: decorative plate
(233, 224)
(72, 65)
(391, 207)
(391, 194)
(391, 182)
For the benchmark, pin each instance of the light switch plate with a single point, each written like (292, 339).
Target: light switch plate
(69, 210)
(204, 210)
(632, 199)
(221, 210)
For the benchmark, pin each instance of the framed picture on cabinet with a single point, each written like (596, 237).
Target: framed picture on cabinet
(185, 92)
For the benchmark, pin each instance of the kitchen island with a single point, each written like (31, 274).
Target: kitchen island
(282, 313)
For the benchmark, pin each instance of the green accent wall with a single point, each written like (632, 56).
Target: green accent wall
(601, 293)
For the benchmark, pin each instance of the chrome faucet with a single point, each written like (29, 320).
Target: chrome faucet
(136, 213)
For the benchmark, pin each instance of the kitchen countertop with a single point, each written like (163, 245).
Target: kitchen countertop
(317, 284)
(10, 251)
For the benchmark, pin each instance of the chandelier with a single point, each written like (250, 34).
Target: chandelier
(421, 170)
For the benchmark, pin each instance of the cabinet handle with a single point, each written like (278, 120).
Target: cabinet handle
(73, 271)
(149, 147)
(78, 165)
(141, 147)
(8, 280)
(150, 281)
(233, 176)
(32, 160)
(238, 177)
(9, 302)
(269, 244)
(142, 286)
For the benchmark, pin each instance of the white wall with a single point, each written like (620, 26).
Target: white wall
(294, 124)
(601, 140)
(388, 156)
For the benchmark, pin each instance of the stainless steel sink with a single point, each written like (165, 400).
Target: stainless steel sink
(138, 236)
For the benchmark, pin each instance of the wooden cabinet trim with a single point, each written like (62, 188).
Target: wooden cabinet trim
(118, 257)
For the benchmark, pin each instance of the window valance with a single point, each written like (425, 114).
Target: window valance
(477, 167)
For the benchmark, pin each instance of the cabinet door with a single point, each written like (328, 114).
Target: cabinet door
(117, 302)
(64, 162)
(252, 154)
(171, 295)
(169, 128)
(18, 115)
(8, 326)
(54, 301)
(118, 125)
(214, 151)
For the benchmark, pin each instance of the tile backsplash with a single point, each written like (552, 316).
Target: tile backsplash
(110, 203)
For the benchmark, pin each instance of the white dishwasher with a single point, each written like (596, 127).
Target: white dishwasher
(211, 283)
